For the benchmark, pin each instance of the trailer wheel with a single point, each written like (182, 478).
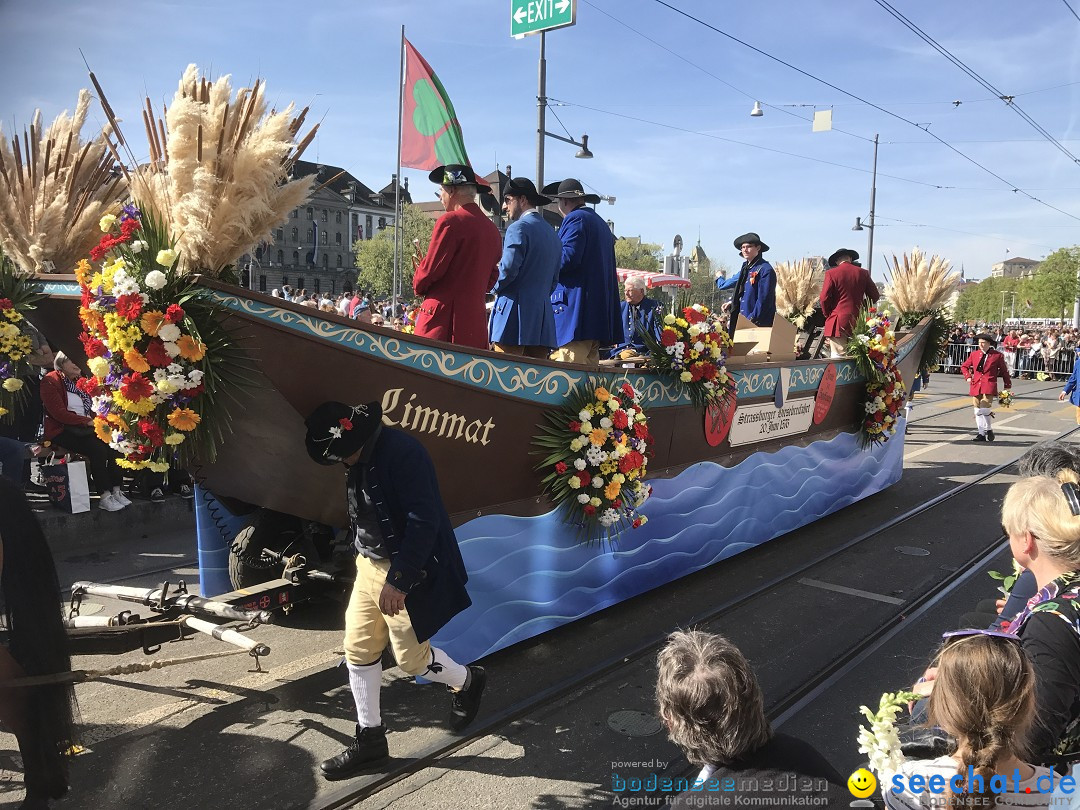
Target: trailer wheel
(268, 530)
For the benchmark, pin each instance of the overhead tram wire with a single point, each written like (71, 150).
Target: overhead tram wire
(877, 107)
(1070, 8)
(777, 107)
(1010, 101)
(745, 143)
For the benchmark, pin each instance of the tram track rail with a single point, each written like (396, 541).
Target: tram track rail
(779, 711)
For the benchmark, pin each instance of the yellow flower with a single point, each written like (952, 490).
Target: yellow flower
(191, 349)
(159, 466)
(82, 271)
(166, 258)
(669, 320)
(608, 467)
(686, 376)
(12, 384)
(611, 491)
(152, 322)
(603, 394)
(166, 387)
(598, 436)
(184, 419)
(595, 501)
(116, 419)
(135, 361)
(576, 445)
(101, 429)
(141, 408)
(3, 411)
(98, 366)
(106, 222)
(174, 438)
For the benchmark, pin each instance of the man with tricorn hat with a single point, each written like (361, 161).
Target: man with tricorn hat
(522, 321)
(846, 287)
(981, 369)
(410, 578)
(586, 299)
(461, 264)
(754, 284)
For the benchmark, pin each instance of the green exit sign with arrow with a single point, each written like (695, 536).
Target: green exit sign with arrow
(534, 16)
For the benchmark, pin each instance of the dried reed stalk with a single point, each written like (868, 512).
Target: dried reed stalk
(919, 285)
(54, 187)
(218, 173)
(798, 287)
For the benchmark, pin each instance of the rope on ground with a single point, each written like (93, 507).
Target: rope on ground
(81, 675)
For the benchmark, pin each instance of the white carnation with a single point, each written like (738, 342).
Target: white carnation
(155, 280)
(169, 333)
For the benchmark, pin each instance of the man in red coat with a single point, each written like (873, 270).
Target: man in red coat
(981, 369)
(461, 264)
(846, 286)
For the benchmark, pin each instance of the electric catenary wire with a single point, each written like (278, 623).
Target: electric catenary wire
(877, 107)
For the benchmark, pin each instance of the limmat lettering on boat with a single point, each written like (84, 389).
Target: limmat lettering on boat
(425, 419)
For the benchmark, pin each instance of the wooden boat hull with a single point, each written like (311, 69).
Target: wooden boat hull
(718, 487)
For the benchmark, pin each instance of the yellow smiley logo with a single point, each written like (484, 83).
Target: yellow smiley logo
(862, 783)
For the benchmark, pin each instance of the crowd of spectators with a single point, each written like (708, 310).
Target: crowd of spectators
(1029, 351)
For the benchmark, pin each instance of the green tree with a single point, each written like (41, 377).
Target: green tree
(1053, 288)
(633, 254)
(375, 257)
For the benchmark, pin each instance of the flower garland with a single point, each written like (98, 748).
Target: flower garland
(881, 741)
(692, 351)
(873, 348)
(596, 450)
(153, 345)
(18, 295)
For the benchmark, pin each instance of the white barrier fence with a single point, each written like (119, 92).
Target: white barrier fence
(1021, 361)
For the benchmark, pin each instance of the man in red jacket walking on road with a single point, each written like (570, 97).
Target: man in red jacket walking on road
(846, 286)
(461, 264)
(981, 369)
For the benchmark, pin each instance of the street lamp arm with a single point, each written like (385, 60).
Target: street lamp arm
(570, 141)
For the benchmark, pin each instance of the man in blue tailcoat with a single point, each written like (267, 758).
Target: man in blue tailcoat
(410, 578)
(522, 320)
(755, 285)
(586, 299)
(640, 316)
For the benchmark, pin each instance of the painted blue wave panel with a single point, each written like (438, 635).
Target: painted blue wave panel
(527, 575)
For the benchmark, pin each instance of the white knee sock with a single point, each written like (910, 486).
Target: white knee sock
(982, 421)
(365, 682)
(444, 669)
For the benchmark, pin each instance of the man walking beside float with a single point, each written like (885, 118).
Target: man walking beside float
(981, 370)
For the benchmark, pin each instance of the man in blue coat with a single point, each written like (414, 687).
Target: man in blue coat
(755, 285)
(586, 299)
(640, 316)
(410, 578)
(522, 320)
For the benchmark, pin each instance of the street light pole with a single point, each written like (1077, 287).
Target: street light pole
(873, 196)
(541, 110)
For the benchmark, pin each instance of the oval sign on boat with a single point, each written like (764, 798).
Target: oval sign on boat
(718, 421)
(825, 393)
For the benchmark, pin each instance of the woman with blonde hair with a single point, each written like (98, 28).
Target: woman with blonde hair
(984, 697)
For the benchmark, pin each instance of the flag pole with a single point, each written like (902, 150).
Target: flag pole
(397, 181)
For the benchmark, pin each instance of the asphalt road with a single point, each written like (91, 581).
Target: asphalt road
(213, 734)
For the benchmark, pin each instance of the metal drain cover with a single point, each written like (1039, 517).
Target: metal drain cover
(634, 724)
(912, 551)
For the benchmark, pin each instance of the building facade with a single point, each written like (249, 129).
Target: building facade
(1015, 268)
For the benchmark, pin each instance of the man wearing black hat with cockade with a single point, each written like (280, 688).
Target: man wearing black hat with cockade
(846, 287)
(586, 300)
(755, 285)
(982, 369)
(410, 578)
(522, 321)
(460, 266)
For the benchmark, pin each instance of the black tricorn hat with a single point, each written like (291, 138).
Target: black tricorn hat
(834, 259)
(570, 189)
(454, 174)
(335, 430)
(523, 187)
(988, 338)
(751, 237)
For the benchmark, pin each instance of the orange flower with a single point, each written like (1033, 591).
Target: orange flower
(135, 361)
(190, 349)
(611, 491)
(101, 428)
(82, 271)
(92, 319)
(113, 419)
(598, 436)
(184, 419)
(152, 322)
(603, 394)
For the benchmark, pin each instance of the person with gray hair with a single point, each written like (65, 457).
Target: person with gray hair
(711, 704)
(640, 316)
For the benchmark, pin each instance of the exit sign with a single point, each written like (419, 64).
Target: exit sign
(534, 16)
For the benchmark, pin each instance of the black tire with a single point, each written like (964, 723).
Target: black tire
(268, 530)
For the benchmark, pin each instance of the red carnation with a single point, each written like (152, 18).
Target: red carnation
(616, 504)
(584, 478)
(695, 373)
(88, 385)
(589, 509)
(129, 306)
(631, 461)
(5, 303)
(174, 314)
(560, 468)
(191, 393)
(135, 387)
(618, 419)
(627, 389)
(346, 423)
(575, 426)
(641, 431)
(692, 315)
(156, 355)
(668, 337)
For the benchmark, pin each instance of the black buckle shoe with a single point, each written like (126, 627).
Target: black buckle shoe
(978, 437)
(368, 750)
(465, 704)
(989, 435)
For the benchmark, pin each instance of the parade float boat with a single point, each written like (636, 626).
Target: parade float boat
(785, 452)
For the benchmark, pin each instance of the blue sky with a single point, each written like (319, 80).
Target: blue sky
(342, 59)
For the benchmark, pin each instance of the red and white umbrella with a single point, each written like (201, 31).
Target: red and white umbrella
(653, 280)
